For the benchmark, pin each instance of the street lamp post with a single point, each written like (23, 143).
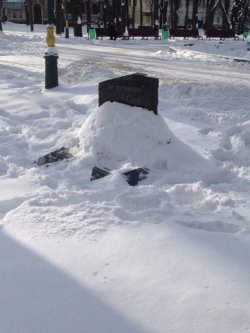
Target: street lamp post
(51, 55)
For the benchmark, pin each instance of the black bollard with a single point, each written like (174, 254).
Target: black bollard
(66, 32)
(67, 29)
(51, 72)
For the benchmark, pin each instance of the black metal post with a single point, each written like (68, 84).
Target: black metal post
(51, 56)
(51, 73)
(67, 29)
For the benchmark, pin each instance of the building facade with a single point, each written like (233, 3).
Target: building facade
(128, 12)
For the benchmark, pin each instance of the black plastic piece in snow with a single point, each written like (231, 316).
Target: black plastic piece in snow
(98, 173)
(55, 156)
(136, 175)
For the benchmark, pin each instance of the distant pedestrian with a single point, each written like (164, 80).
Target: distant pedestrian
(112, 31)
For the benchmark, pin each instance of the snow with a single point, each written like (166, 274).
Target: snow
(168, 255)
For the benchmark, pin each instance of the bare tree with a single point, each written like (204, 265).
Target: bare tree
(194, 13)
(76, 12)
(30, 3)
(212, 6)
(187, 11)
(164, 12)
(240, 15)
(59, 17)
(141, 15)
(174, 5)
(156, 12)
(133, 13)
(210, 12)
(226, 19)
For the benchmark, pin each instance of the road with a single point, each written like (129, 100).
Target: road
(124, 57)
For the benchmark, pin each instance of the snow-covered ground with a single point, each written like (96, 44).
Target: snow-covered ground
(169, 255)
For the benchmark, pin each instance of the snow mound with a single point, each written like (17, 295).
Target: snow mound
(81, 71)
(120, 133)
(235, 147)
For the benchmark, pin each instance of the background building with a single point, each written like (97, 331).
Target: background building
(174, 13)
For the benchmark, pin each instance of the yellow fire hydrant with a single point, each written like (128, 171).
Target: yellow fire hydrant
(50, 36)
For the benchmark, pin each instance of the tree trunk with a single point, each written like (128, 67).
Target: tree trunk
(133, 13)
(164, 12)
(187, 11)
(127, 13)
(210, 14)
(194, 14)
(171, 23)
(225, 20)
(31, 15)
(156, 9)
(141, 15)
(59, 17)
(88, 12)
(161, 13)
(175, 13)
(1, 15)
(50, 12)
(76, 12)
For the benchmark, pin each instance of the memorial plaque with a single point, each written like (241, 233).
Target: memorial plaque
(134, 90)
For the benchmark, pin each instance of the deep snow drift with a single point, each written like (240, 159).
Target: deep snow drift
(169, 255)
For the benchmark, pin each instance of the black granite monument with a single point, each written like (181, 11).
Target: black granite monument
(135, 90)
